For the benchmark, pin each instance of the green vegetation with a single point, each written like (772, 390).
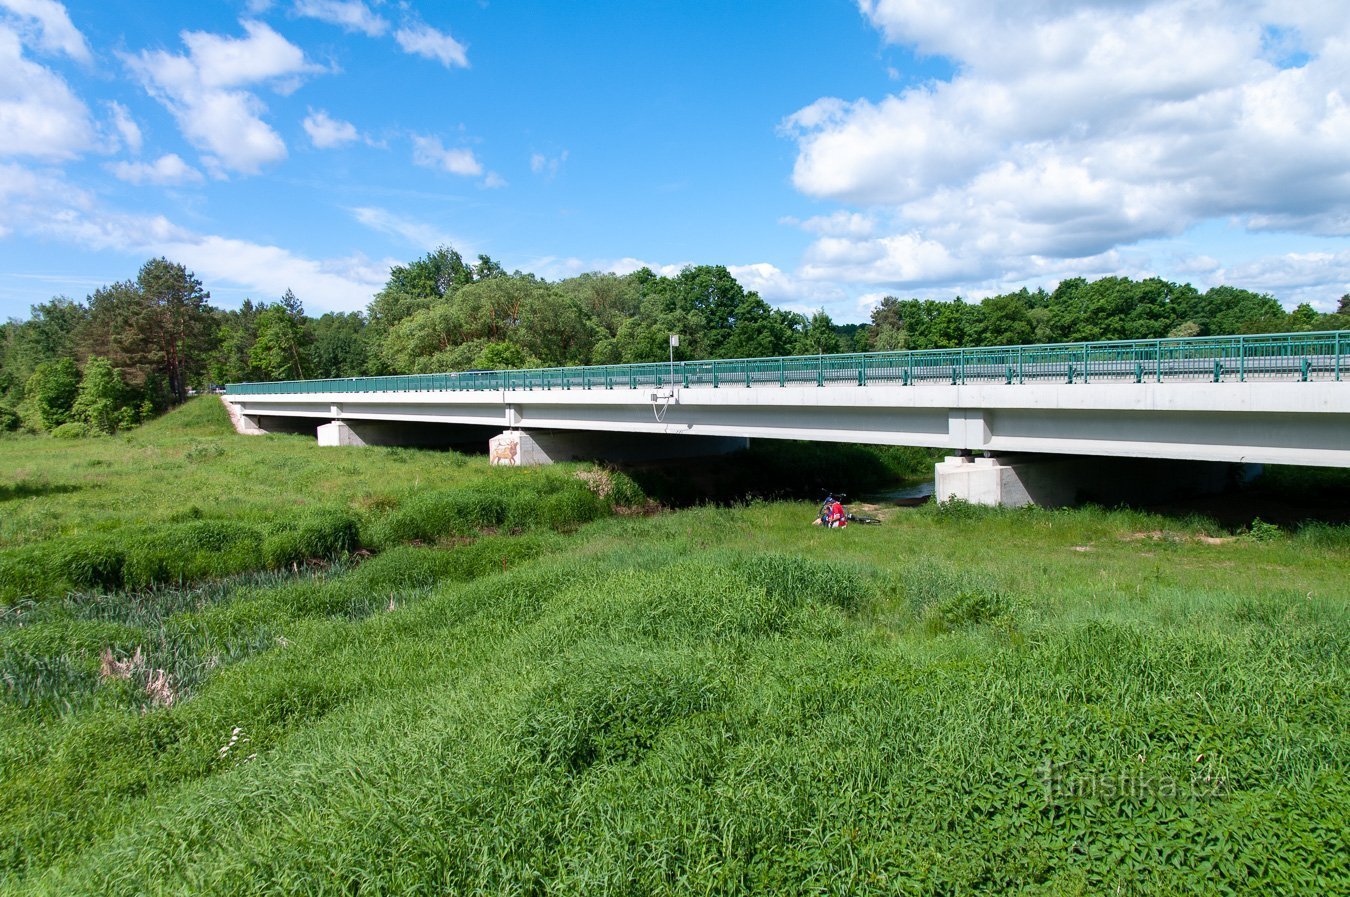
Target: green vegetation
(716, 700)
(135, 348)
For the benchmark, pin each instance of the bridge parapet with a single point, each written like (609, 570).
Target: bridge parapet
(1265, 357)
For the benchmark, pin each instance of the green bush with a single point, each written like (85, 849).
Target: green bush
(9, 420)
(73, 430)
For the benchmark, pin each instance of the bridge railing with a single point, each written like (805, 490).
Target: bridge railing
(1274, 356)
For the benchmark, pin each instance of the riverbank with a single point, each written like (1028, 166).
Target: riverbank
(724, 700)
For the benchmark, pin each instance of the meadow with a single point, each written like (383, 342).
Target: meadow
(250, 665)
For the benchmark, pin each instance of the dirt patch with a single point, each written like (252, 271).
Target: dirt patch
(1160, 536)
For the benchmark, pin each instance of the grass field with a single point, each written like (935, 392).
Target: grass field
(498, 684)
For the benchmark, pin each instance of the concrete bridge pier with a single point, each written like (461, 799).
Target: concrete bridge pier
(1054, 481)
(526, 448)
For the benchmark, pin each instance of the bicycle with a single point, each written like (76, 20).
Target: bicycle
(827, 511)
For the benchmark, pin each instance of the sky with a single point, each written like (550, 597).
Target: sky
(827, 152)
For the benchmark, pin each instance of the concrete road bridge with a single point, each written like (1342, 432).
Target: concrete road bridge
(1024, 423)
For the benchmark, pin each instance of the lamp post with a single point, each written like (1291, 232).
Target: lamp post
(674, 341)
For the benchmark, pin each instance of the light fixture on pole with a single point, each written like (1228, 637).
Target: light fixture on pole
(674, 342)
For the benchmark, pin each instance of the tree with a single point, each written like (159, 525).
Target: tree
(338, 345)
(501, 356)
(50, 333)
(888, 326)
(282, 343)
(818, 337)
(101, 397)
(236, 332)
(52, 390)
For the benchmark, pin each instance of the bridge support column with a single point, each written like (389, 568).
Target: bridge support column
(525, 448)
(339, 432)
(1052, 481)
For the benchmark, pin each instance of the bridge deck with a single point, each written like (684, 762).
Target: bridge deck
(1268, 357)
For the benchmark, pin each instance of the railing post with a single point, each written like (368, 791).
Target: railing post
(862, 370)
(963, 367)
(1138, 372)
(1158, 349)
(1085, 363)
(714, 372)
(1242, 359)
(1303, 364)
(1071, 372)
(1008, 379)
(1020, 372)
(747, 376)
(820, 370)
(782, 374)
(1218, 370)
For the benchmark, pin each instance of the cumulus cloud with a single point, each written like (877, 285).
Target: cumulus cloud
(326, 132)
(783, 289)
(340, 284)
(1071, 129)
(39, 114)
(429, 152)
(421, 39)
(350, 15)
(204, 91)
(166, 171)
(47, 25)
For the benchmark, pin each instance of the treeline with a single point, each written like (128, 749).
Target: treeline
(135, 348)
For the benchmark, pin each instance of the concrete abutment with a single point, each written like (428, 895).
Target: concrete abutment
(1054, 481)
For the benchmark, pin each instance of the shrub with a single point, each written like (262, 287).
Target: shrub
(72, 430)
(9, 420)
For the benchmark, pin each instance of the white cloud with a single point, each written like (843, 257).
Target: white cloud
(777, 287)
(341, 284)
(39, 114)
(50, 26)
(166, 171)
(1071, 129)
(429, 152)
(326, 132)
(126, 126)
(493, 181)
(350, 15)
(44, 204)
(417, 233)
(421, 39)
(548, 166)
(628, 265)
(202, 90)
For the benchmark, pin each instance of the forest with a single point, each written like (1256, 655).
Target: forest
(135, 348)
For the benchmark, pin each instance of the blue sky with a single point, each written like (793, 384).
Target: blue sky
(828, 152)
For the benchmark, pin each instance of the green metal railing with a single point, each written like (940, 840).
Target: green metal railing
(1272, 356)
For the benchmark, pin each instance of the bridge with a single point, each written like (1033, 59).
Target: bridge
(1026, 423)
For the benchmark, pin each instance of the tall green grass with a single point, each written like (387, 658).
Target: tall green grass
(715, 701)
